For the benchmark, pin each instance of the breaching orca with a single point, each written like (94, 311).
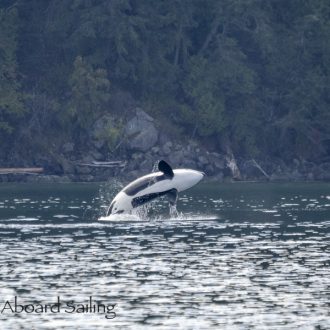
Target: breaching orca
(145, 189)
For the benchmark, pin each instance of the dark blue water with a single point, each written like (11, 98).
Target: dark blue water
(239, 256)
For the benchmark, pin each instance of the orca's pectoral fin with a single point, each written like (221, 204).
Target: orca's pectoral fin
(138, 201)
(165, 168)
(172, 196)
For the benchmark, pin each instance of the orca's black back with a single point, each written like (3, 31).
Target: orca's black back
(139, 184)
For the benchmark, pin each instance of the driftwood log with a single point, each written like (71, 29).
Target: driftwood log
(21, 170)
(116, 163)
(260, 168)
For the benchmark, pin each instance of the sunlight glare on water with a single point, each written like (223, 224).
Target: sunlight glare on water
(236, 256)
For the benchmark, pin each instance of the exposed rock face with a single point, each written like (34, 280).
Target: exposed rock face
(68, 148)
(322, 172)
(176, 157)
(141, 145)
(98, 132)
(141, 132)
(218, 161)
(167, 148)
(67, 166)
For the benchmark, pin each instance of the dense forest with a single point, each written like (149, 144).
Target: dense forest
(252, 74)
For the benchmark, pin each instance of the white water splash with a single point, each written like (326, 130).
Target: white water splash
(100, 204)
(142, 211)
(174, 213)
(154, 170)
(121, 218)
(180, 218)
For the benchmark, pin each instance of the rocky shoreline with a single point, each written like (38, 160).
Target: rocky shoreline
(141, 146)
(217, 167)
(134, 169)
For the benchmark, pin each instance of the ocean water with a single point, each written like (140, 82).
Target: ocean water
(238, 256)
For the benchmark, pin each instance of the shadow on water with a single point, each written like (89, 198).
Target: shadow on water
(238, 256)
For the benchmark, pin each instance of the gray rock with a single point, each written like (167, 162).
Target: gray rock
(325, 167)
(86, 178)
(87, 159)
(68, 147)
(136, 156)
(97, 155)
(99, 133)
(121, 100)
(250, 171)
(218, 177)
(202, 160)
(186, 153)
(220, 164)
(177, 147)
(134, 175)
(176, 158)
(141, 132)
(307, 167)
(145, 165)
(67, 166)
(3, 178)
(217, 161)
(99, 126)
(189, 163)
(276, 177)
(296, 162)
(155, 150)
(209, 170)
(163, 138)
(169, 144)
(83, 170)
(99, 143)
(167, 148)
(48, 178)
(296, 176)
(325, 176)
(310, 177)
(322, 172)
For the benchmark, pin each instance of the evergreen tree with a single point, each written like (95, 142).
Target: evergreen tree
(90, 92)
(11, 106)
(247, 72)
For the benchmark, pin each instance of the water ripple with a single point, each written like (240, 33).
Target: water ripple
(240, 268)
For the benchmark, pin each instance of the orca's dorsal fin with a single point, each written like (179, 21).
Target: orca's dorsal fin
(165, 168)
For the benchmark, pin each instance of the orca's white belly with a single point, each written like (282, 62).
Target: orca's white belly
(183, 179)
(154, 185)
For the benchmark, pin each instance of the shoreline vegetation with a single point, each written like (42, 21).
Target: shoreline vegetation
(251, 171)
(92, 90)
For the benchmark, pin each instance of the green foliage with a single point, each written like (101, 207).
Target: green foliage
(206, 99)
(255, 73)
(11, 106)
(90, 92)
(113, 134)
(110, 131)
